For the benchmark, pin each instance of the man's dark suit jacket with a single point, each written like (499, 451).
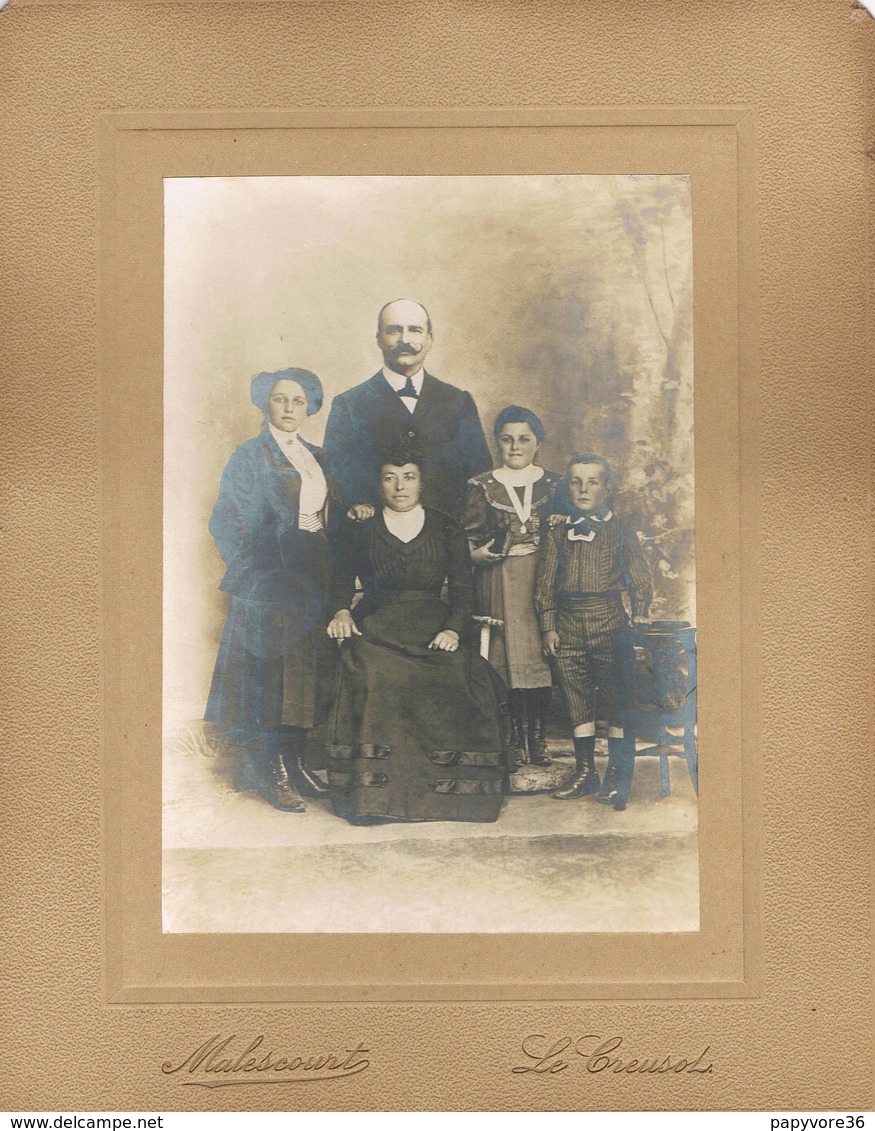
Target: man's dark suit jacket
(367, 421)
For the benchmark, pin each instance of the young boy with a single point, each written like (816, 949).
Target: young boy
(587, 563)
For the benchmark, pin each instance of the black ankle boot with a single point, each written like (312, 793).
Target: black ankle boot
(538, 755)
(618, 776)
(538, 711)
(280, 792)
(306, 782)
(518, 749)
(585, 780)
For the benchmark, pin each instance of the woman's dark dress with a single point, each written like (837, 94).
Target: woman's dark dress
(274, 665)
(416, 733)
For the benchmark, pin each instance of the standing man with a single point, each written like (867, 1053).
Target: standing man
(404, 405)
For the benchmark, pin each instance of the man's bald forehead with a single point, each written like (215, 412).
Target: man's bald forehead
(399, 302)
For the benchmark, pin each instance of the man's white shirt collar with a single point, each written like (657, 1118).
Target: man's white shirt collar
(397, 382)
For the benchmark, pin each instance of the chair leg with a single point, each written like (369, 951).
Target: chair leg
(691, 756)
(664, 779)
(484, 641)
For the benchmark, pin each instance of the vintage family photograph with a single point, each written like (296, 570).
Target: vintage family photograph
(429, 640)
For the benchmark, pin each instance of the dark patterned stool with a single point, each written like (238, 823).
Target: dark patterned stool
(656, 674)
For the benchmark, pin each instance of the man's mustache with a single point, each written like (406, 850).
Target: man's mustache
(399, 350)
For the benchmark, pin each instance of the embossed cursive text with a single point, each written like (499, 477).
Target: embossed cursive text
(597, 1053)
(210, 1065)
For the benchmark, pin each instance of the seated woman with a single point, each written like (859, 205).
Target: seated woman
(415, 733)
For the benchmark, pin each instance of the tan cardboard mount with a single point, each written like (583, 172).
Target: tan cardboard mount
(765, 110)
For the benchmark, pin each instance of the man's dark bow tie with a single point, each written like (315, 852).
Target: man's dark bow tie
(409, 390)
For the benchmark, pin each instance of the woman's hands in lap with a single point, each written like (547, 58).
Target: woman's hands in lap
(342, 626)
(447, 640)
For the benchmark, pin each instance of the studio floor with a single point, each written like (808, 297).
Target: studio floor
(232, 863)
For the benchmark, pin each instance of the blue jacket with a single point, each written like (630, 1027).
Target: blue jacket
(255, 525)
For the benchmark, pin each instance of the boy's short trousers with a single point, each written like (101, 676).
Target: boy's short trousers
(586, 655)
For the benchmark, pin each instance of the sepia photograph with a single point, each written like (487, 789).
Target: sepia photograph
(429, 640)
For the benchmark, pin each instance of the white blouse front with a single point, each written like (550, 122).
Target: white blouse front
(314, 489)
(405, 525)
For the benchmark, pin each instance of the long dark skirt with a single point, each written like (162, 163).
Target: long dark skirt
(274, 669)
(415, 734)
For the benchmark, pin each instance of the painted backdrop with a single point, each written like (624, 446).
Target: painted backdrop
(571, 295)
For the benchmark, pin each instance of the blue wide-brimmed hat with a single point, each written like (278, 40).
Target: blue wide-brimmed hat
(263, 383)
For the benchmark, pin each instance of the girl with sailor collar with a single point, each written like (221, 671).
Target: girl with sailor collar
(505, 517)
